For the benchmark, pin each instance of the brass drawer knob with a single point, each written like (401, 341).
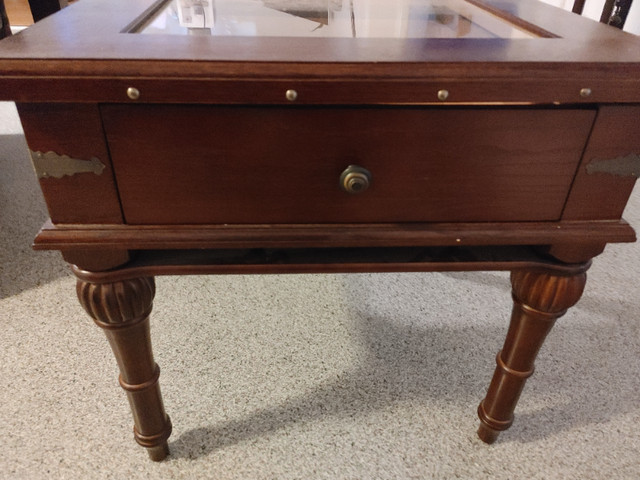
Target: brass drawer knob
(355, 179)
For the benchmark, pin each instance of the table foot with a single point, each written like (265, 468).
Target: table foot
(121, 309)
(540, 297)
(159, 453)
(486, 434)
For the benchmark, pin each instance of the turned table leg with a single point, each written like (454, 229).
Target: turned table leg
(122, 310)
(540, 297)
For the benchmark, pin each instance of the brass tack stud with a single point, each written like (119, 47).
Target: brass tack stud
(443, 95)
(133, 93)
(585, 92)
(291, 95)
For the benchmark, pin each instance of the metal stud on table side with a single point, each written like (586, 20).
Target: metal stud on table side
(291, 95)
(443, 95)
(133, 93)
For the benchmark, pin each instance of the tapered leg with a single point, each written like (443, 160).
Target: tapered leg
(122, 309)
(539, 299)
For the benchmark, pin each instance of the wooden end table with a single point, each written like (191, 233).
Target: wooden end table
(281, 136)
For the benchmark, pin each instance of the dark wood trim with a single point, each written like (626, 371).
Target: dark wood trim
(145, 17)
(61, 237)
(542, 70)
(100, 23)
(480, 91)
(510, 17)
(327, 260)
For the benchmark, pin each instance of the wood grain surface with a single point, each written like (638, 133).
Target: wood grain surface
(198, 165)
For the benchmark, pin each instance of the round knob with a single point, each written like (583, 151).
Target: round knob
(355, 179)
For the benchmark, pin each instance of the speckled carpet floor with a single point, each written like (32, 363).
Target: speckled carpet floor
(368, 376)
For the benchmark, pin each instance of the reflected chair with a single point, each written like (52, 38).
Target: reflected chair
(614, 12)
(43, 8)
(39, 10)
(5, 28)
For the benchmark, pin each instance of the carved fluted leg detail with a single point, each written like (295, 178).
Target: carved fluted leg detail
(122, 310)
(539, 299)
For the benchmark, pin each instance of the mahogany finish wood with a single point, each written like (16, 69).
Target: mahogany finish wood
(600, 195)
(74, 130)
(496, 154)
(326, 260)
(575, 233)
(96, 260)
(542, 292)
(181, 69)
(282, 165)
(540, 297)
(122, 310)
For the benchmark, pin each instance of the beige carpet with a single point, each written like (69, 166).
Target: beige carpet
(310, 376)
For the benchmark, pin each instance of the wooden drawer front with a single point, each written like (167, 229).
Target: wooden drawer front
(207, 164)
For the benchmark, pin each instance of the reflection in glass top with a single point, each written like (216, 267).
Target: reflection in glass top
(330, 18)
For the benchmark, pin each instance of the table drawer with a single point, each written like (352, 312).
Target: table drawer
(212, 164)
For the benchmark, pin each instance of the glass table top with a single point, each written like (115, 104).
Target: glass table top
(330, 18)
